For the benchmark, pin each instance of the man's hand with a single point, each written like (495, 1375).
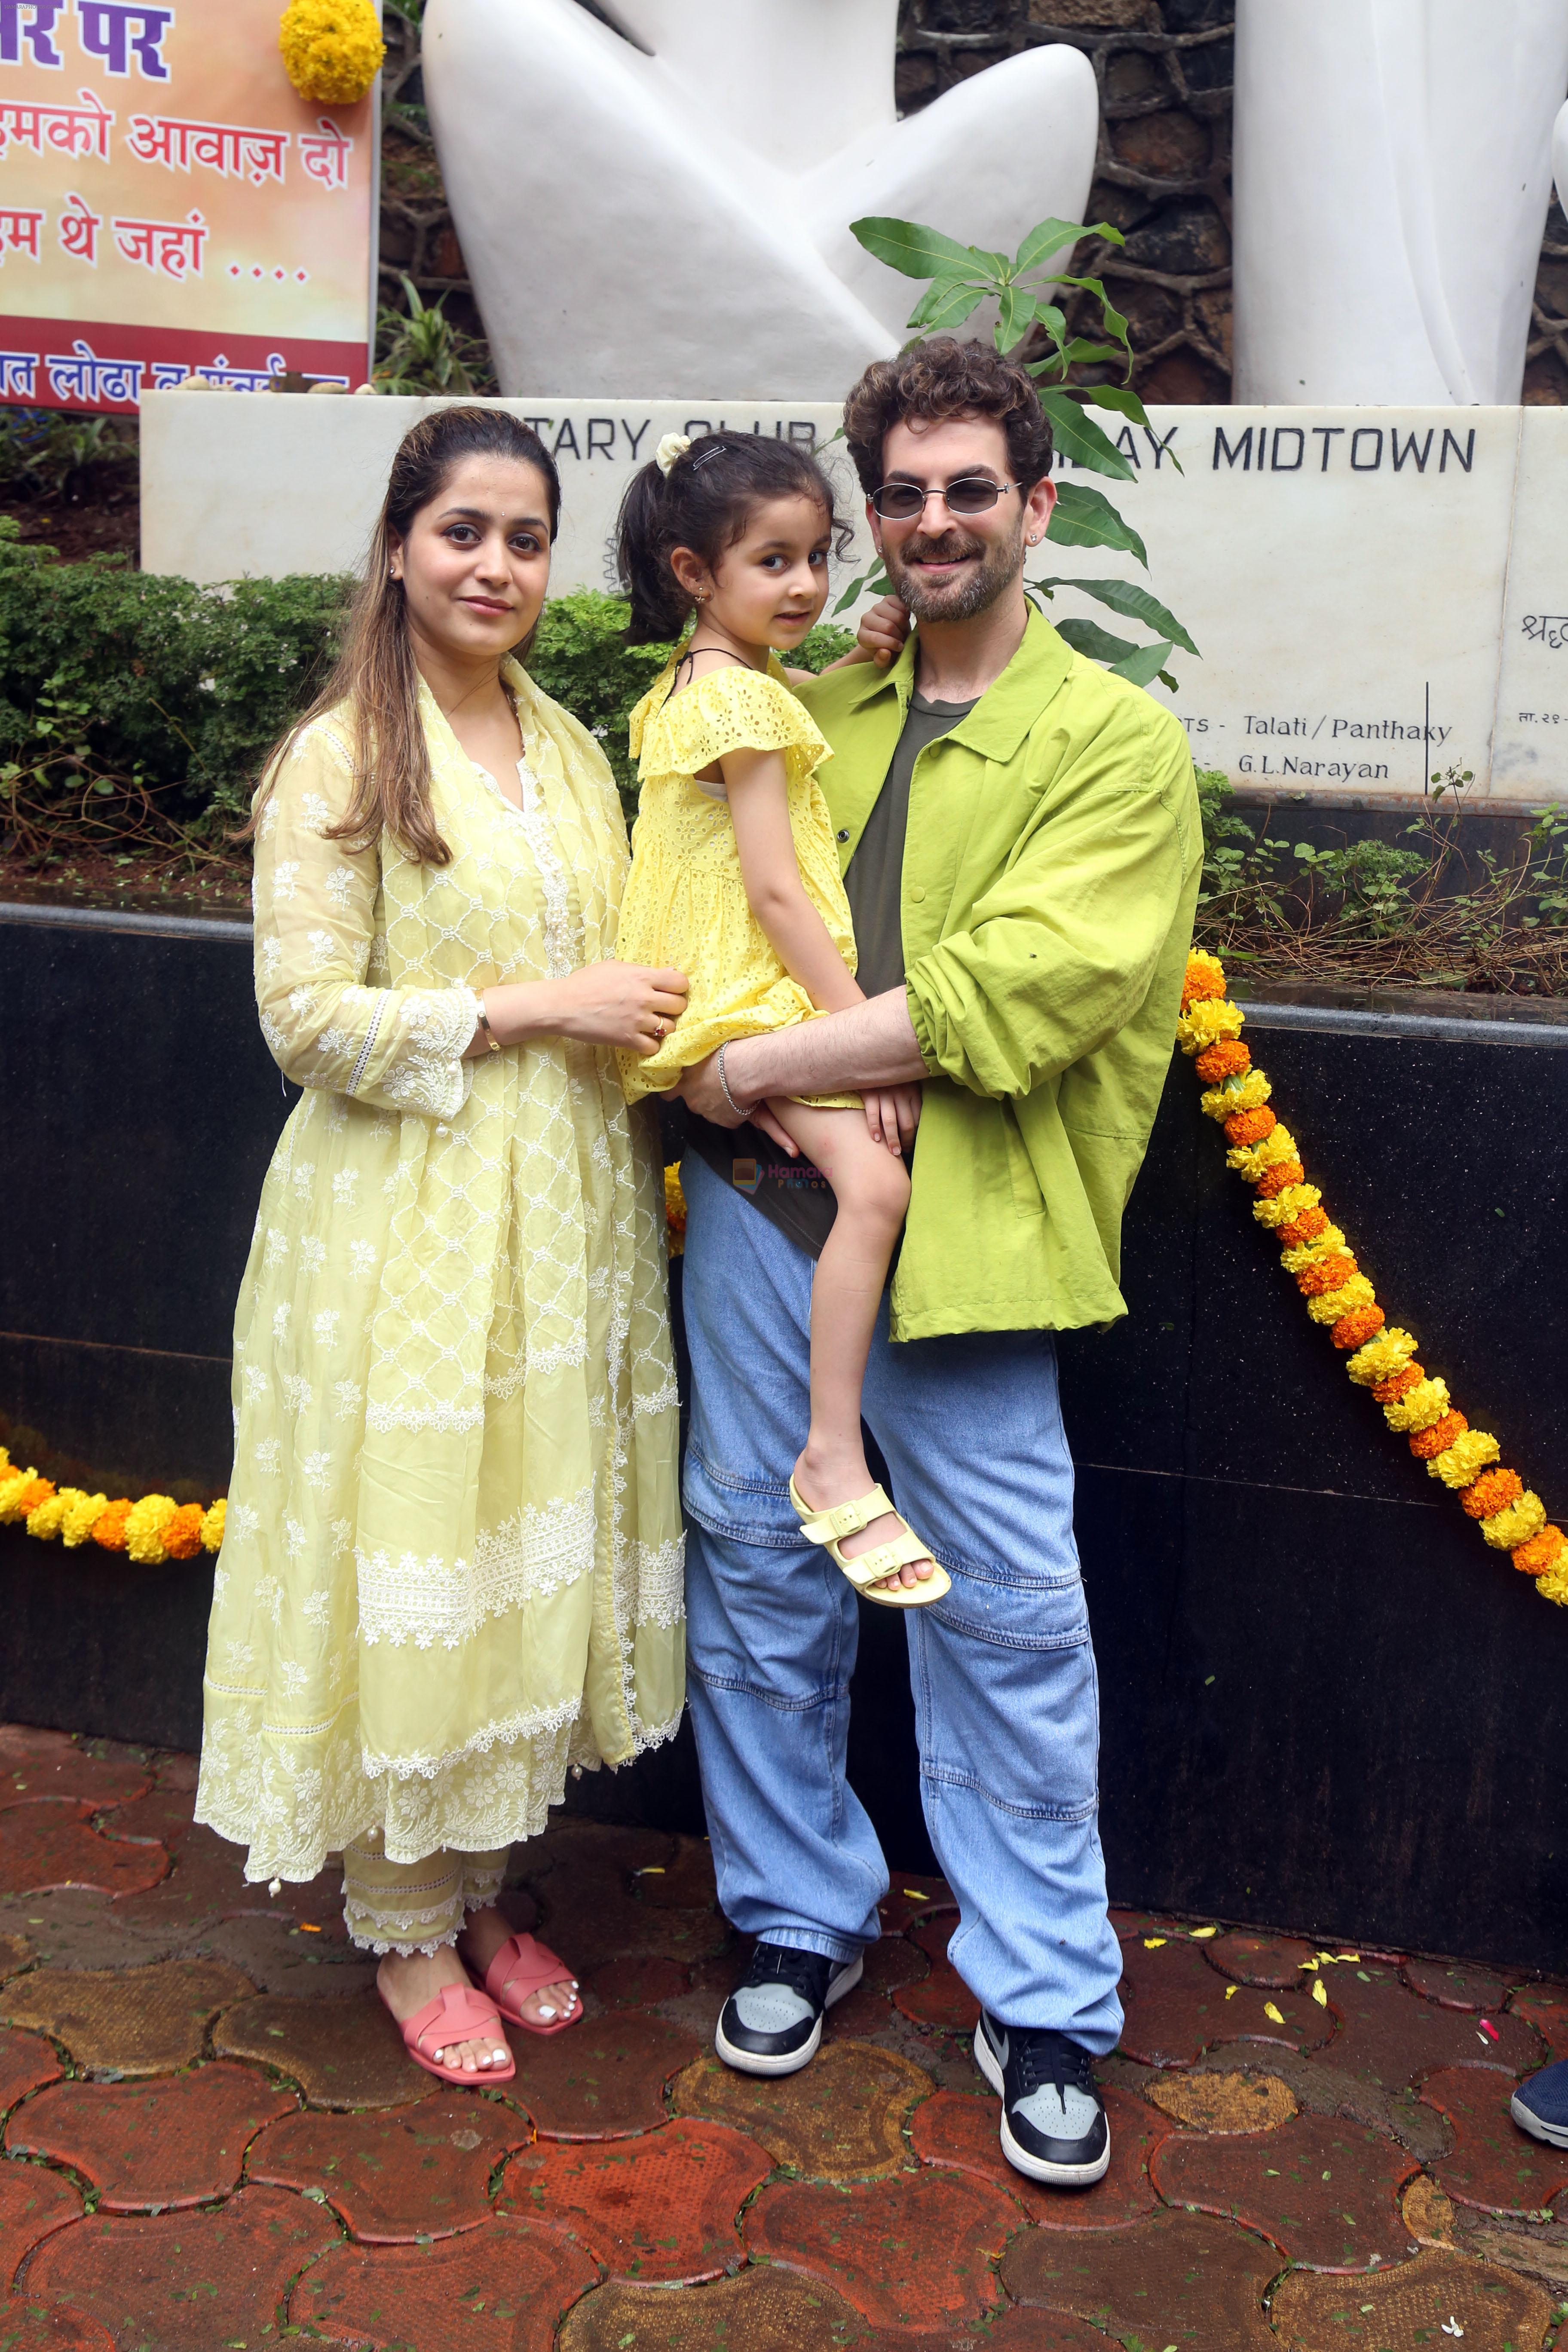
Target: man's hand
(700, 1092)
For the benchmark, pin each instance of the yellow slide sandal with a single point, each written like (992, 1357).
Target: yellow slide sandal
(829, 1527)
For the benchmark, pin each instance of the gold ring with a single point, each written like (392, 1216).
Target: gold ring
(661, 1030)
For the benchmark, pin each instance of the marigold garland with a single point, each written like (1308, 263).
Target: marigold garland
(332, 49)
(1340, 1295)
(674, 1209)
(150, 1530)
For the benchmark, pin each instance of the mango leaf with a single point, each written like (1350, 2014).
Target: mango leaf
(1081, 349)
(946, 303)
(1085, 517)
(904, 245)
(1053, 320)
(1014, 316)
(874, 582)
(1134, 603)
(1078, 438)
(1144, 663)
(1089, 637)
(1111, 319)
(1120, 396)
(1048, 236)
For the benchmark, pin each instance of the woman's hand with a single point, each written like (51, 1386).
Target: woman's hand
(882, 631)
(892, 1115)
(628, 1005)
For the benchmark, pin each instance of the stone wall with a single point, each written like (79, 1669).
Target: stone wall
(1162, 178)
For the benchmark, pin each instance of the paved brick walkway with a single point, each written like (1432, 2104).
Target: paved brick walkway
(212, 2138)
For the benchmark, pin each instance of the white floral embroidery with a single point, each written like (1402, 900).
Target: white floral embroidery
(350, 1397)
(361, 1256)
(340, 886)
(285, 875)
(280, 1315)
(304, 1177)
(241, 1521)
(314, 811)
(298, 1393)
(325, 1326)
(315, 1609)
(322, 946)
(254, 1381)
(277, 1249)
(293, 1538)
(269, 1455)
(296, 1677)
(271, 956)
(312, 1252)
(314, 1468)
(345, 1187)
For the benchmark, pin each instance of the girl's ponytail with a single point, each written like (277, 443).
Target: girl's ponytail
(705, 502)
(643, 541)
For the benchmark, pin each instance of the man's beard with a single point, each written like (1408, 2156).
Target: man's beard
(953, 600)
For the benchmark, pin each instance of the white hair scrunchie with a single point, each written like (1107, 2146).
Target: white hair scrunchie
(673, 446)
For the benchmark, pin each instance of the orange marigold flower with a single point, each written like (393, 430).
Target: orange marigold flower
(1226, 1059)
(38, 1491)
(1325, 1273)
(1427, 1443)
(1204, 976)
(183, 1536)
(1354, 1329)
(1494, 1490)
(1390, 1392)
(1302, 1229)
(1248, 1127)
(1542, 1553)
(109, 1529)
(1274, 1180)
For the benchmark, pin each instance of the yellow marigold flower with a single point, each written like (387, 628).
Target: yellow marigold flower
(332, 50)
(12, 1490)
(1554, 1585)
(1517, 1524)
(1330, 1305)
(1287, 1205)
(674, 1209)
(1381, 1358)
(46, 1519)
(82, 1515)
(1464, 1459)
(1250, 1161)
(1203, 1022)
(1419, 1407)
(213, 1524)
(1327, 1244)
(144, 1524)
(6, 1465)
(1248, 1093)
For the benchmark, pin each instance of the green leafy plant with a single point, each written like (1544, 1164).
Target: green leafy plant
(419, 351)
(43, 450)
(1024, 287)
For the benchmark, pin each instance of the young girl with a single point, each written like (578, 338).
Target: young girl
(735, 881)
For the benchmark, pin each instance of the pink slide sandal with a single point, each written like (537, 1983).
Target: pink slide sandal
(520, 1967)
(457, 2013)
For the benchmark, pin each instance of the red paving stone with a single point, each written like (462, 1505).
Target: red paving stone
(343, 2052)
(890, 1964)
(1544, 2006)
(662, 2209)
(1389, 2036)
(36, 1764)
(1325, 2192)
(762, 2310)
(33, 2202)
(910, 1898)
(499, 2289)
(1273, 1961)
(184, 2282)
(637, 1984)
(601, 2079)
(177, 2140)
(28, 2325)
(1177, 2006)
(913, 2251)
(51, 1844)
(1177, 2277)
(1019, 2330)
(396, 2174)
(1493, 2165)
(26, 2064)
(957, 2129)
(1423, 2306)
(686, 1882)
(942, 2001)
(1453, 1987)
(590, 1915)
(149, 2021)
(841, 2118)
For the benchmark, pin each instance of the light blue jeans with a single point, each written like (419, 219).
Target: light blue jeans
(1006, 1703)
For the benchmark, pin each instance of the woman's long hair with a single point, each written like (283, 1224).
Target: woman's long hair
(375, 673)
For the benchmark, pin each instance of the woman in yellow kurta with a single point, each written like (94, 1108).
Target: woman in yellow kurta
(453, 1562)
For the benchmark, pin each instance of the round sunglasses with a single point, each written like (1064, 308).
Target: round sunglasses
(902, 501)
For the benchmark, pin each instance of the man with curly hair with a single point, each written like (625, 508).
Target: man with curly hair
(1022, 848)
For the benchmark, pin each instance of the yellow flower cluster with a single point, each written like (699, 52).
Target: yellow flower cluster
(150, 1530)
(1341, 1297)
(332, 50)
(674, 1209)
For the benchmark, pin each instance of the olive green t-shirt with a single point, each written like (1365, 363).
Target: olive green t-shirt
(796, 1196)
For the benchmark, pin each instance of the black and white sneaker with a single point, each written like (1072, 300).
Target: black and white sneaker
(1054, 2124)
(771, 2024)
(1540, 2107)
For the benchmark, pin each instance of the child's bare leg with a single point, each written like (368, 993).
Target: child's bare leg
(872, 1190)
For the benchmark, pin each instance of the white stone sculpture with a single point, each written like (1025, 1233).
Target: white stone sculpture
(665, 209)
(1393, 170)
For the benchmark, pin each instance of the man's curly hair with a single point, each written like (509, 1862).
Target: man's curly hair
(941, 379)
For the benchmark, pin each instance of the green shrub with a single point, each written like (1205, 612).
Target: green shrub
(113, 678)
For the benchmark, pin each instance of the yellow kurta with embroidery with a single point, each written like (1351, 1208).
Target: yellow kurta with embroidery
(453, 1563)
(686, 902)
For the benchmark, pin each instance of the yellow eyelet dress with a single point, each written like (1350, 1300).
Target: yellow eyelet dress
(685, 904)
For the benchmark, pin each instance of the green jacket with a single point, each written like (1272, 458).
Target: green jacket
(1050, 874)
